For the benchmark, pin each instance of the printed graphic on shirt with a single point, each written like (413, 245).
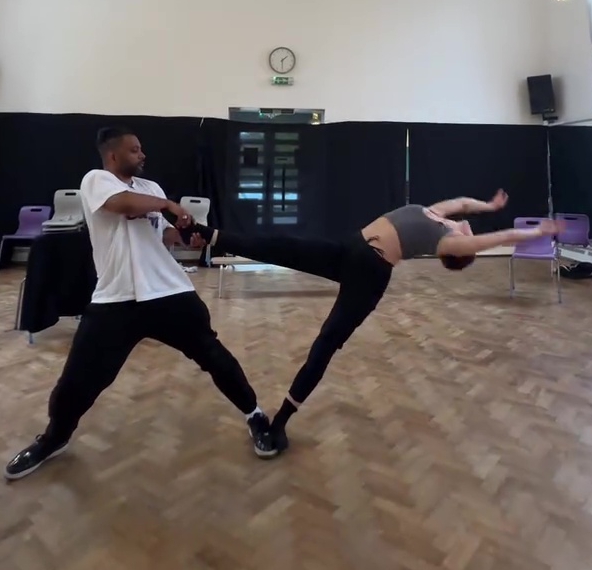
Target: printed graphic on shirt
(153, 218)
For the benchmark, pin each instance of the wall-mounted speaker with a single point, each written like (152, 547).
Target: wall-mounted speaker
(541, 94)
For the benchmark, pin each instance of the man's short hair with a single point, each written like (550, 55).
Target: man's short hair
(109, 135)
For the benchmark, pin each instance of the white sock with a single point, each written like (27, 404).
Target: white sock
(257, 410)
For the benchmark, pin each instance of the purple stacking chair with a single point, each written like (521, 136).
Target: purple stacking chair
(542, 249)
(577, 229)
(30, 226)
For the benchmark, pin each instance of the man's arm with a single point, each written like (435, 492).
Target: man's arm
(102, 190)
(131, 203)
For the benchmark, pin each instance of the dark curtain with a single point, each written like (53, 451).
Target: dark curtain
(348, 174)
(40, 154)
(447, 161)
(211, 166)
(364, 172)
(571, 169)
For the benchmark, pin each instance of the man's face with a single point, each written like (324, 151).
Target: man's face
(129, 157)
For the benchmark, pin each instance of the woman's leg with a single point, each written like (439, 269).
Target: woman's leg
(364, 284)
(314, 256)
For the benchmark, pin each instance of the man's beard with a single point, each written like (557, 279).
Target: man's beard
(134, 170)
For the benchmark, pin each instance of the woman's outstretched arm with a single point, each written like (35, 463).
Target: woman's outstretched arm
(460, 245)
(469, 205)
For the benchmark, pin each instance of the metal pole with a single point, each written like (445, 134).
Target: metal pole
(549, 183)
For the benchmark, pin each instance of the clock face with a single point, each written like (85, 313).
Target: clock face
(282, 60)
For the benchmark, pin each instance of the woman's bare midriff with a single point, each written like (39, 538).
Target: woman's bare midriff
(382, 235)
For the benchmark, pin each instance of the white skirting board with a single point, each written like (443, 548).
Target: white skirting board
(497, 251)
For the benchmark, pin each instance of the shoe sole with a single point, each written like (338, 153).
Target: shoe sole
(15, 476)
(263, 454)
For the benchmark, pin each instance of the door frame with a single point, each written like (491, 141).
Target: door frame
(236, 150)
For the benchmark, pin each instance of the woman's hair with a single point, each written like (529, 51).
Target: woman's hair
(456, 263)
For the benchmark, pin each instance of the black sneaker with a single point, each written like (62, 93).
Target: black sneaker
(32, 457)
(262, 440)
(279, 438)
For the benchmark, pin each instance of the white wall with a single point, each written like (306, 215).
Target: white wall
(569, 53)
(413, 60)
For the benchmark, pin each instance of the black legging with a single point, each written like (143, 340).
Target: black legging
(362, 274)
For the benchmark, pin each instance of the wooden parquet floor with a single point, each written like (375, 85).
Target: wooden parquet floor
(453, 432)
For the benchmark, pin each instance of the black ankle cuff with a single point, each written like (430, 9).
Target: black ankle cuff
(284, 413)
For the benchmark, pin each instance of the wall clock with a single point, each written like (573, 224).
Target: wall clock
(282, 60)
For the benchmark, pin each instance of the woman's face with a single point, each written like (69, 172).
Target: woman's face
(460, 228)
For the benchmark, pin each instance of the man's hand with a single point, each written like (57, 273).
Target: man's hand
(197, 241)
(171, 237)
(499, 201)
(184, 218)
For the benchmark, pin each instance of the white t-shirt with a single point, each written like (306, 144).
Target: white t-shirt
(130, 257)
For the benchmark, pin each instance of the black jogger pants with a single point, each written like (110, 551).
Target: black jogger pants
(108, 333)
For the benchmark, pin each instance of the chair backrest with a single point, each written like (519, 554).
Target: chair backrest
(198, 207)
(67, 204)
(577, 229)
(31, 220)
(544, 245)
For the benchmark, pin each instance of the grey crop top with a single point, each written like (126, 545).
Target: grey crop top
(418, 234)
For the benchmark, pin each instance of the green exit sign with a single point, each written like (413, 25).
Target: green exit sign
(282, 80)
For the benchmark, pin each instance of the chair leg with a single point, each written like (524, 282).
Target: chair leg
(19, 306)
(555, 264)
(220, 281)
(512, 279)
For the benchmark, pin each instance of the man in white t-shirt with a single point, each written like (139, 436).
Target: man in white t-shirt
(141, 292)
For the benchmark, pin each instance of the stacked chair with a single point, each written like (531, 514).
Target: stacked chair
(68, 214)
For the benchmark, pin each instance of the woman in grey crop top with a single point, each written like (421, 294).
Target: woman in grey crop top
(418, 233)
(362, 265)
